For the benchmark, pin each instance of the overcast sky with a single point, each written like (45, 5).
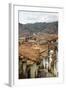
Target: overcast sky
(33, 17)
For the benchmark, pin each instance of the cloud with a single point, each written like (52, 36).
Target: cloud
(32, 17)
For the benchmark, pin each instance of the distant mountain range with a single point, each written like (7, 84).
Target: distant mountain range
(27, 29)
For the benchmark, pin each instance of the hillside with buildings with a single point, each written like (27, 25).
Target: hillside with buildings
(38, 48)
